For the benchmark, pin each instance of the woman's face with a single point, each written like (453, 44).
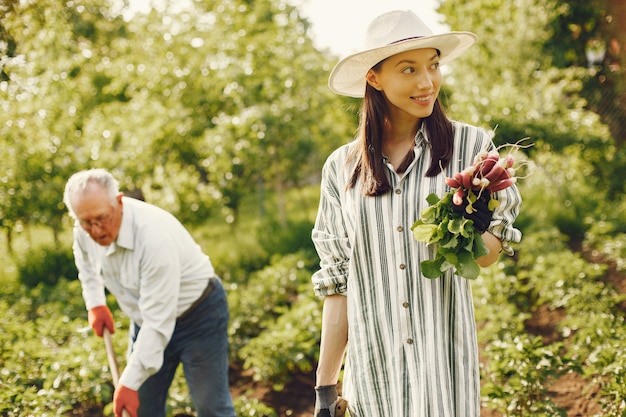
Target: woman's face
(410, 81)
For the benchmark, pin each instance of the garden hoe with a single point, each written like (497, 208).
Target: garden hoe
(115, 372)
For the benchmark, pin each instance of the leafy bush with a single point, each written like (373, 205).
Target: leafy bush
(519, 367)
(561, 191)
(47, 265)
(288, 345)
(267, 295)
(288, 238)
(609, 243)
(234, 252)
(44, 357)
(519, 371)
(245, 406)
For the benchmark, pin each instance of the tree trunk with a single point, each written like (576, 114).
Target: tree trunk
(612, 107)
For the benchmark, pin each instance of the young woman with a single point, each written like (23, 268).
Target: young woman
(411, 341)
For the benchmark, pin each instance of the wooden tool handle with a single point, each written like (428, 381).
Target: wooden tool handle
(341, 407)
(115, 371)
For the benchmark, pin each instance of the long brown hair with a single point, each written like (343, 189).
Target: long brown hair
(368, 155)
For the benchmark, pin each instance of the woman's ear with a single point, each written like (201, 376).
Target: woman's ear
(372, 79)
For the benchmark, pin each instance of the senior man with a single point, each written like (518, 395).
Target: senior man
(167, 287)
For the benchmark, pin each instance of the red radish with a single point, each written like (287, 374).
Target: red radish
(496, 171)
(486, 166)
(487, 172)
(452, 183)
(466, 178)
(458, 197)
(501, 185)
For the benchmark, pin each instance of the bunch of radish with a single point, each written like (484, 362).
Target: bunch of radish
(457, 243)
(487, 172)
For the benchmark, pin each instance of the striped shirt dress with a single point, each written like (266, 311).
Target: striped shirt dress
(412, 348)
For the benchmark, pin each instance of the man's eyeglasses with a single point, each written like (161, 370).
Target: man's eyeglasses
(100, 222)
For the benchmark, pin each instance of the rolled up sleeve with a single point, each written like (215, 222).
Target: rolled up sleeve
(503, 217)
(330, 237)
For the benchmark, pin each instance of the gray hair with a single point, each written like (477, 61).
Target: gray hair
(77, 184)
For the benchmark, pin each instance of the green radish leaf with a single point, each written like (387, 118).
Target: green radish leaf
(467, 229)
(458, 242)
(432, 199)
(451, 243)
(432, 269)
(429, 215)
(467, 267)
(424, 232)
(480, 249)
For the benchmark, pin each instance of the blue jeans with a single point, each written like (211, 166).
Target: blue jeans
(200, 342)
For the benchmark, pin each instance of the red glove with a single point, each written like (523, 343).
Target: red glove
(125, 398)
(99, 318)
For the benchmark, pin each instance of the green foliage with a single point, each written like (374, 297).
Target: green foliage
(199, 106)
(515, 88)
(609, 365)
(607, 234)
(519, 372)
(548, 276)
(234, 251)
(288, 345)
(291, 237)
(266, 295)
(456, 242)
(47, 265)
(44, 357)
(252, 407)
(575, 198)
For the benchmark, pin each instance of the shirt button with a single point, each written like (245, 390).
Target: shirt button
(402, 266)
(405, 304)
(398, 191)
(400, 228)
(409, 341)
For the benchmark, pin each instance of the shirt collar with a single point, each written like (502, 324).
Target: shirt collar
(125, 236)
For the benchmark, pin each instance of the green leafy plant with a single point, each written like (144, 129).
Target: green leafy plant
(458, 243)
(252, 407)
(289, 345)
(519, 373)
(47, 265)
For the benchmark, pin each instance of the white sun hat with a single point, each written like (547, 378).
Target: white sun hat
(390, 34)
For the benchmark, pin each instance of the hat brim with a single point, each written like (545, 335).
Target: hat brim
(348, 76)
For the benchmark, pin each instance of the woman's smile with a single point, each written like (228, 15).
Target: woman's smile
(425, 99)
